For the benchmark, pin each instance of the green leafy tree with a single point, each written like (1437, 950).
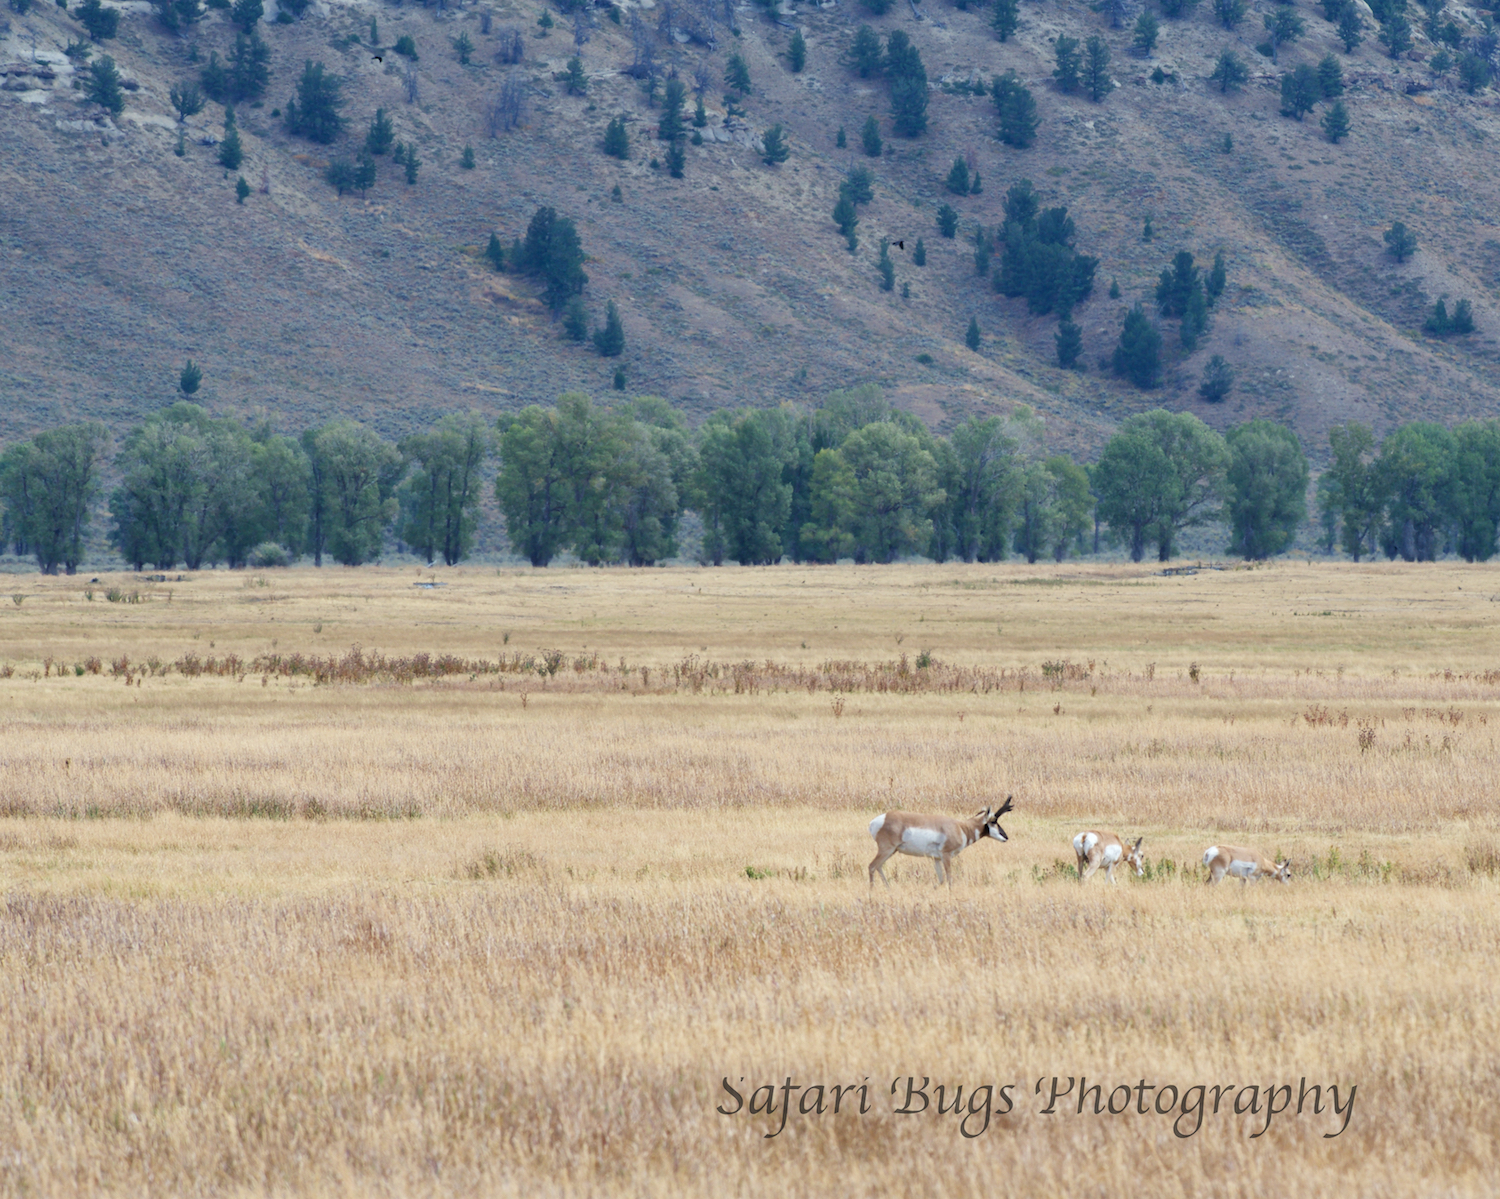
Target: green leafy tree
(530, 488)
(797, 52)
(314, 114)
(895, 491)
(616, 139)
(1415, 469)
(947, 221)
(737, 74)
(870, 137)
(610, 340)
(1096, 78)
(354, 475)
(776, 149)
(654, 468)
(1229, 72)
(1147, 30)
(1351, 29)
(440, 499)
(103, 86)
(1163, 472)
(102, 23)
(1395, 35)
(1336, 122)
(1017, 108)
(1065, 51)
(1006, 18)
(865, 54)
(246, 14)
(49, 485)
(1356, 490)
(740, 486)
(1138, 356)
(1400, 242)
(1217, 381)
(1266, 488)
(1300, 91)
(1229, 13)
(1069, 344)
(1053, 508)
(979, 474)
(825, 535)
(1474, 489)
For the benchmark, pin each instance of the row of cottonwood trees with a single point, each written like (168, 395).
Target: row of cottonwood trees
(853, 478)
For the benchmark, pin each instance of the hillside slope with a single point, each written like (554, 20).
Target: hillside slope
(119, 259)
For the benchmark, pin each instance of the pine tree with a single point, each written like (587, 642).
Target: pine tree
(1065, 50)
(1284, 27)
(1218, 279)
(1400, 242)
(1138, 356)
(1017, 109)
(249, 69)
(495, 252)
(870, 137)
(577, 82)
(1147, 30)
(958, 177)
(191, 377)
(1300, 91)
(919, 253)
(1229, 12)
(610, 340)
(104, 86)
(340, 175)
(364, 172)
(797, 52)
(1473, 71)
(971, 338)
(737, 74)
(1336, 122)
(102, 23)
(314, 114)
(1069, 344)
(241, 190)
(616, 139)
(886, 267)
(908, 85)
(947, 221)
(670, 127)
(466, 159)
(1229, 72)
(844, 215)
(576, 319)
(1351, 29)
(1218, 380)
(1096, 78)
(864, 53)
(1330, 77)
(1005, 20)
(676, 160)
(700, 115)
(1194, 319)
(382, 133)
(231, 153)
(245, 13)
(412, 163)
(619, 379)
(776, 149)
(1395, 35)
(840, 139)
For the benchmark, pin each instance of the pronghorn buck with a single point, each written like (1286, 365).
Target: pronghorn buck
(1105, 849)
(940, 838)
(1244, 864)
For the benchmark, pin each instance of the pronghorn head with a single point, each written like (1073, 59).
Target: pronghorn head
(1136, 858)
(1283, 871)
(992, 821)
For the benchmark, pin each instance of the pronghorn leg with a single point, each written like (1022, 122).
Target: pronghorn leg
(1082, 862)
(1110, 873)
(1093, 866)
(937, 864)
(1215, 874)
(879, 865)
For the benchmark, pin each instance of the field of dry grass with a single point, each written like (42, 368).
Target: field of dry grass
(512, 922)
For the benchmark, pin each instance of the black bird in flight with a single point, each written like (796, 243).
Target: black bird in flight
(378, 58)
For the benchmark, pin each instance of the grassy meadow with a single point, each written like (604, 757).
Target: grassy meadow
(504, 900)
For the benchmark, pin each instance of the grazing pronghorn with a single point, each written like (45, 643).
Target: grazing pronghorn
(1244, 864)
(940, 838)
(1107, 850)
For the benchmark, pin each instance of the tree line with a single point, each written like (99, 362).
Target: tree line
(852, 478)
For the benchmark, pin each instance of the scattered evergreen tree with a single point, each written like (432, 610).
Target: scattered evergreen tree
(958, 177)
(1177, 9)
(876, 8)
(1351, 29)
(1147, 30)
(1330, 77)
(670, 127)
(340, 175)
(1218, 380)
(176, 15)
(865, 53)
(576, 81)
(1069, 344)
(1266, 488)
(466, 159)
(187, 99)
(375, 32)
(971, 337)
(919, 253)
(191, 378)
(1395, 35)
(797, 52)
(552, 250)
(1114, 289)
(977, 185)
(1147, 233)
(546, 23)
(1229, 13)
(249, 70)
(231, 153)
(737, 74)
(1218, 278)
(840, 139)
(886, 267)
(844, 216)
(102, 23)
(246, 14)
(1229, 72)
(576, 319)
(1440, 324)
(676, 160)
(1006, 18)
(406, 46)
(700, 115)
(1017, 109)
(1473, 72)
(1283, 27)
(495, 252)
(314, 114)
(1400, 242)
(364, 172)
(859, 185)
(412, 163)
(616, 139)
(1065, 50)
(241, 190)
(870, 137)
(1336, 122)
(1096, 78)
(982, 250)
(1038, 260)
(103, 87)
(1194, 320)
(610, 340)
(776, 149)
(381, 134)
(1300, 91)
(947, 221)
(1138, 356)
(908, 78)
(619, 379)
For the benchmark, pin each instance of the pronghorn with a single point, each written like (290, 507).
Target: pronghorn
(1107, 850)
(1244, 864)
(940, 838)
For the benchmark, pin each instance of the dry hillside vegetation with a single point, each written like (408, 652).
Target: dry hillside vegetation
(502, 902)
(120, 259)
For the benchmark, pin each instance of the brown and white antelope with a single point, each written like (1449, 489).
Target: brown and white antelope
(940, 838)
(1105, 849)
(1244, 864)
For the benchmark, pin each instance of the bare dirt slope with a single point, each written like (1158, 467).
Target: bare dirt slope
(119, 259)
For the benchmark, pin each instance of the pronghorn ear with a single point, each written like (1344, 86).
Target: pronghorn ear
(1138, 841)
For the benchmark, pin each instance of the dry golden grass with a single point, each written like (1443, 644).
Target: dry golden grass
(509, 933)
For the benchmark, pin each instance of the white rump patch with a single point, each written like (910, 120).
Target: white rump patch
(1243, 869)
(1084, 842)
(876, 825)
(1210, 854)
(923, 842)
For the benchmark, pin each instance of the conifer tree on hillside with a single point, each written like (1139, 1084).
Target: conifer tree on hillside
(1147, 30)
(610, 340)
(908, 78)
(1069, 344)
(1330, 77)
(1065, 51)
(1229, 13)
(246, 13)
(776, 151)
(231, 152)
(314, 114)
(1096, 77)
(1283, 27)
(737, 74)
(495, 252)
(1400, 242)
(1351, 29)
(104, 86)
(886, 267)
(671, 127)
(971, 337)
(864, 52)
(797, 52)
(1229, 72)
(1006, 18)
(919, 253)
(1138, 356)
(102, 23)
(958, 177)
(870, 137)
(187, 99)
(616, 139)
(381, 133)
(1336, 122)
(947, 221)
(1017, 110)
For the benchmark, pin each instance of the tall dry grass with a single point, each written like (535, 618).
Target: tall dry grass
(417, 932)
